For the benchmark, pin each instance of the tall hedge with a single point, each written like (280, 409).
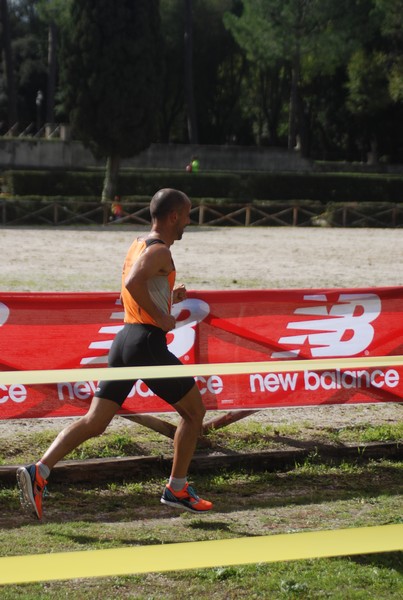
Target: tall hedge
(235, 187)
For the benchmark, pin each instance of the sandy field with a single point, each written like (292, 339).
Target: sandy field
(41, 259)
(206, 258)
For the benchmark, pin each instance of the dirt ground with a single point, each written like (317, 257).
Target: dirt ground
(206, 258)
(41, 259)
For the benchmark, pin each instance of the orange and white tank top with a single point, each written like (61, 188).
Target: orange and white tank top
(160, 286)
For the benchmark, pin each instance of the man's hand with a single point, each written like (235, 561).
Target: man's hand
(179, 294)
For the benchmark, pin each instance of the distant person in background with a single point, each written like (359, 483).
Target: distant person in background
(193, 166)
(117, 209)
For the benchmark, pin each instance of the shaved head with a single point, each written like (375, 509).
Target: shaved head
(166, 201)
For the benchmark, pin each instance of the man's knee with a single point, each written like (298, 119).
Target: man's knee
(191, 407)
(197, 415)
(201, 411)
(94, 426)
(99, 416)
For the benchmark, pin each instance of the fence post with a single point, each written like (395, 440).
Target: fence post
(247, 215)
(106, 211)
(295, 216)
(201, 214)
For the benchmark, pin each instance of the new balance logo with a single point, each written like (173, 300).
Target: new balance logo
(339, 329)
(104, 345)
(188, 313)
(4, 313)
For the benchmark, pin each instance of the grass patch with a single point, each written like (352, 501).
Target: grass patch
(130, 441)
(110, 445)
(390, 432)
(311, 496)
(246, 436)
(253, 436)
(256, 436)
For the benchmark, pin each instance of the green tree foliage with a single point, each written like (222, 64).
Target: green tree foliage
(55, 14)
(326, 74)
(219, 67)
(375, 76)
(111, 77)
(8, 63)
(28, 48)
(298, 39)
(171, 117)
(391, 16)
(368, 83)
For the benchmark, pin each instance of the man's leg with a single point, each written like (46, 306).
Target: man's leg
(92, 424)
(192, 411)
(178, 493)
(32, 479)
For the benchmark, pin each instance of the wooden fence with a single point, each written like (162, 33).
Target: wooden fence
(65, 212)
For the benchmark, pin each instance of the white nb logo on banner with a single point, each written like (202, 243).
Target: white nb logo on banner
(4, 313)
(343, 330)
(189, 313)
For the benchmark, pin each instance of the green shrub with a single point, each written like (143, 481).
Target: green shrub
(242, 187)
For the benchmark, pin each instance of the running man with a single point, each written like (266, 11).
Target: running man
(147, 292)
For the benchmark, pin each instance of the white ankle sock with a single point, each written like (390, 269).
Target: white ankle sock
(177, 483)
(43, 469)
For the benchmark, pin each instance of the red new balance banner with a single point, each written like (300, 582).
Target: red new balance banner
(64, 330)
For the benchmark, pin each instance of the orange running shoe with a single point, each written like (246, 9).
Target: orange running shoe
(186, 499)
(32, 486)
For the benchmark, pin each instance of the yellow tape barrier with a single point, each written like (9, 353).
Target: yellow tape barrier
(198, 555)
(159, 372)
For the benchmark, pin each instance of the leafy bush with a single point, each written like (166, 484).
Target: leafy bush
(242, 187)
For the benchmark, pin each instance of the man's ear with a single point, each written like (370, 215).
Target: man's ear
(173, 216)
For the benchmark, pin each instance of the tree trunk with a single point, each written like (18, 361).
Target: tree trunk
(52, 72)
(292, 118)
(111, 178)
(9, 64)
(303, 127)
(373, 154)
(295, 78)
(189, 92)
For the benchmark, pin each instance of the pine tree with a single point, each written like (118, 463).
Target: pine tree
(111, 72)
(5, 43)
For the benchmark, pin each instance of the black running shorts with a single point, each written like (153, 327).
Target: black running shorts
(139, 345)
